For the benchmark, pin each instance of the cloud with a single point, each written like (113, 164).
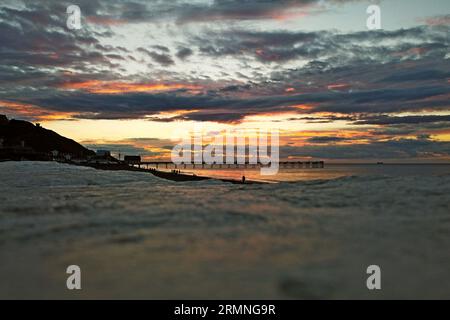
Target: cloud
(110, 100)
(437, 20)
(161, 58)
(417, 75)
(393, 149)
(386, 120)
(325, 139)
(183, 53)
(114, 12)
(284, 46)
(117, 87)
(36, 47)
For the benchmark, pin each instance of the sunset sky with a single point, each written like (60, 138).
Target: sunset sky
(139, 70)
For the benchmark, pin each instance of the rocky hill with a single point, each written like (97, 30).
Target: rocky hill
(15, 133)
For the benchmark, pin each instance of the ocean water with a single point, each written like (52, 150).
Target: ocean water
(310, 236)
(330, 171)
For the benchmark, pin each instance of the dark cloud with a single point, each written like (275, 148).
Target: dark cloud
(327, 139)
(417, 75)
(183, 53)
(161, 48)
(36, 47)
(242, 10)
(284, 46)
(215, 107)
(386, 120)
(163, 59)
(141, 11)
(392, 149)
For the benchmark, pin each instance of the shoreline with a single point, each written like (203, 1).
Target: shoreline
(172, 176)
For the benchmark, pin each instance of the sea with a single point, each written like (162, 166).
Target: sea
(308, 234)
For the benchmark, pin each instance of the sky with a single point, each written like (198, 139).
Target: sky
(137, 72)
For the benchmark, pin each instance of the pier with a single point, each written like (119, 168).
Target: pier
(281, 164)
(134, 163)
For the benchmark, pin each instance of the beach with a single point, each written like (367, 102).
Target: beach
(135, 235)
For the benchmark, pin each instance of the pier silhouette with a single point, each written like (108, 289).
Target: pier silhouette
(235, 165)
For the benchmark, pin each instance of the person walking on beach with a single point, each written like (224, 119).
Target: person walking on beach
(243, 179)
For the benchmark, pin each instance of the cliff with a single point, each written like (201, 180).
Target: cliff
(15, 132)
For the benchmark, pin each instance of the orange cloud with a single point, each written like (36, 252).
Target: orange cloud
(37, 113)
(302, 138)
(437, 21)
(287, 15)
(114, 87)
(304, 107)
